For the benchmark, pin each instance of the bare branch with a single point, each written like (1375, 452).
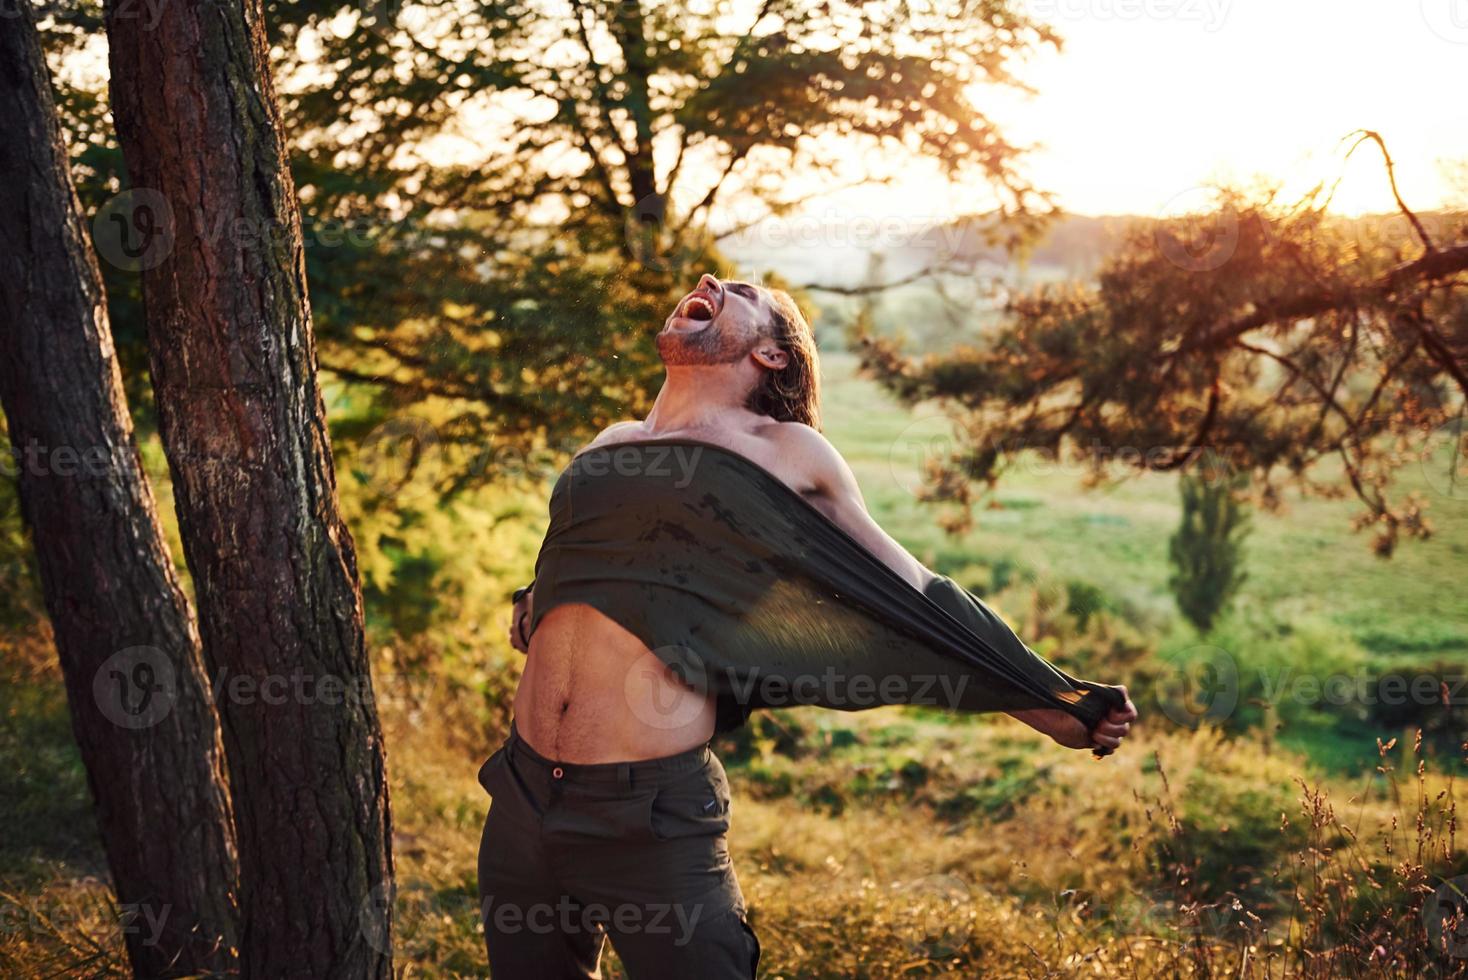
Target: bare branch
(867, 289)
(1391, 176)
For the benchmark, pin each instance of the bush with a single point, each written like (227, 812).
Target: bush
(1255, 672)
(1430, 697)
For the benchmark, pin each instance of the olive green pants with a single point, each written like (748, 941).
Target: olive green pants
(634, 851)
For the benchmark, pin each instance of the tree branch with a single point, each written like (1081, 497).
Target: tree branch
(867, 289)
(1433, 266)
(1391, 176)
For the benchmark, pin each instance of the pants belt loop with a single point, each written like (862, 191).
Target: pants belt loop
(624, 777)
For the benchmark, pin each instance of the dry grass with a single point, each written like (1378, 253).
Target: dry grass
(928, 848)
(902, 844)
(1095, 871)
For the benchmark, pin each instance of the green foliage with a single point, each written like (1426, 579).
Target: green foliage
(509, 284)
(20, 589)
(1207, 550)
(47, 817)
(433, 561)
(1083, 600)
(1425, 696)
(1257, 674)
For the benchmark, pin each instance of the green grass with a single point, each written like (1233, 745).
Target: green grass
(46, 821)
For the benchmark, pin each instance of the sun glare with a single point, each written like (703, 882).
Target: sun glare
(1152, 99)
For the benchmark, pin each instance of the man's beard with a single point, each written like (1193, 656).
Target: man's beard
(709, 345)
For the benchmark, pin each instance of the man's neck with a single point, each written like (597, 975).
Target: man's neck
(693, 397)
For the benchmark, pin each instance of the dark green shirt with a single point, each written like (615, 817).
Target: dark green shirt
(750, 593)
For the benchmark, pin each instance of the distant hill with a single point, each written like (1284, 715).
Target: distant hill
(846, 254)
(863, 250)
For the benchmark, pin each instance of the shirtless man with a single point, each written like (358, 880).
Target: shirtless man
(607, 818)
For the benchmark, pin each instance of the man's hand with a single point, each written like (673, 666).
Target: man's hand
(1109, 732)
(520, 622)
(1068, 730)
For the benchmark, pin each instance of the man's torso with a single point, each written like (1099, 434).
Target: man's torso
(591, 691)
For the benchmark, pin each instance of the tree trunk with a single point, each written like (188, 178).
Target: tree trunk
(234, 373)
(129, 652)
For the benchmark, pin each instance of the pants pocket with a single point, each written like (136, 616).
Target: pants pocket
(695, 806)
(490, 769)
(754, 949)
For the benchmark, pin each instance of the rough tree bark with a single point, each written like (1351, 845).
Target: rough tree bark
(233, 361)
(125, 635)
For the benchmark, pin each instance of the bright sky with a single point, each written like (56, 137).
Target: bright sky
(1149, 99)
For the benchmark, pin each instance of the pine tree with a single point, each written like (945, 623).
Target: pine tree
(1207, 550)
(242, 419)
(1269, 330)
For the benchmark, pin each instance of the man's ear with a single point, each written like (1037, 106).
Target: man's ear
(771, 356)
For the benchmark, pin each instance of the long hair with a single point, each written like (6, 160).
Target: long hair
(793, 393)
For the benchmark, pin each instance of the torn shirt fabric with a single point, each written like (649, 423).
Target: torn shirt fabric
(751, 594)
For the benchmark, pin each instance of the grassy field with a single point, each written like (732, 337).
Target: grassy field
(904, 843)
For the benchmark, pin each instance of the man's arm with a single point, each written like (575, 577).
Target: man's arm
(838, 496)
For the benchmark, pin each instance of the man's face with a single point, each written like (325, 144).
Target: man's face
(717, 323)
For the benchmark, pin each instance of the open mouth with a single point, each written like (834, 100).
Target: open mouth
(699, 308)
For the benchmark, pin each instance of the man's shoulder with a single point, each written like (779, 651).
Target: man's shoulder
(796, 440)
(795, 437)
(626, 426)
(616, 432)
(809, 462)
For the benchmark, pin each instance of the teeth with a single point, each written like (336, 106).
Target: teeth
(698, 303)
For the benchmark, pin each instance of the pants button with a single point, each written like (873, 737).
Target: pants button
(558, 772)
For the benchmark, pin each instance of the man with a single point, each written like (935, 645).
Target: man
(610, 815)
